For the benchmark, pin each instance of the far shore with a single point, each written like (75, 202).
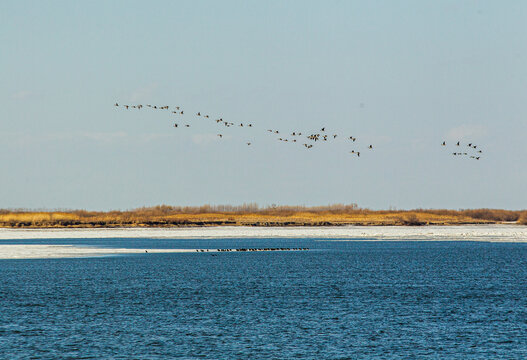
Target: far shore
(209, 224)
(251, 216)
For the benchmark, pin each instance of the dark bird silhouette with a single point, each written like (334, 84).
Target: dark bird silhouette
(323, 129)
(220, 135)
(443, 144)
(457, 143)
(370, 147)
(248, 143)
(199, 114)
(175, 125)
(116, 104)
(187, 125)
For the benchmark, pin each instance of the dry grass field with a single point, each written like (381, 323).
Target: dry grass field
(252, 215)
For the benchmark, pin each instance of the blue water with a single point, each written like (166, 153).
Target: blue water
(340, 300)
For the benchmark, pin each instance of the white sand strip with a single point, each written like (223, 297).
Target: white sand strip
(504, 233)
(70, 251)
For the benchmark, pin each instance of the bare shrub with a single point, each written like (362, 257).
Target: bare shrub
(522, 220)
(411, 220)
(492, 214)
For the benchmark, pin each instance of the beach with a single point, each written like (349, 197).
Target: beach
(507, 233)
(50, 249)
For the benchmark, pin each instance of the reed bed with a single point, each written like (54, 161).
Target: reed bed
(253, 215)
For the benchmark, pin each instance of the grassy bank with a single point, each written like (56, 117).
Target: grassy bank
(251, 215)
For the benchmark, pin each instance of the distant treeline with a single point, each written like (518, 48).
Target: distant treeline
(254, 215)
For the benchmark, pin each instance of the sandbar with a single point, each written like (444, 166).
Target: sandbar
(16, 251)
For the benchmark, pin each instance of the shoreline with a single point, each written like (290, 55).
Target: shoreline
(268, 224)
(29, 244)
(49, 251)
(479, 232)
(286, 225)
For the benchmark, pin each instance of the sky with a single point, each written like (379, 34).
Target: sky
(403, 76)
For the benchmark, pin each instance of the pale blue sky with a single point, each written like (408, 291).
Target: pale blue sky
(425, 71)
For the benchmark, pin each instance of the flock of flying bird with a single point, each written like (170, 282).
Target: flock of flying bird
(474, 152)
(306, 140)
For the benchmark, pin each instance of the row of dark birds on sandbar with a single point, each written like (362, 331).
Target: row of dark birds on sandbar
(253, 249)
(466, 150)
(306, 140)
